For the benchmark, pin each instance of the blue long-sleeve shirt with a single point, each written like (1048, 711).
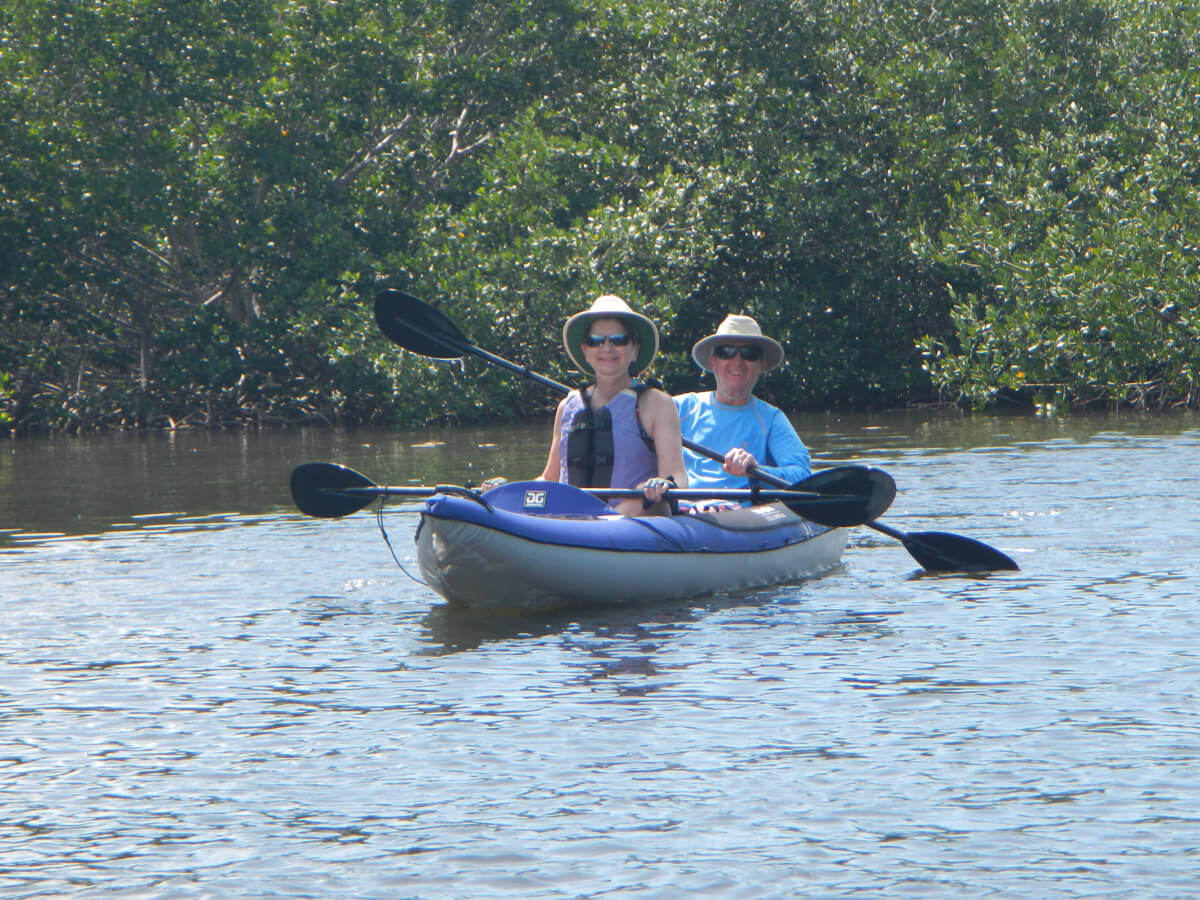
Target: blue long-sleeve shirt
(756, 426)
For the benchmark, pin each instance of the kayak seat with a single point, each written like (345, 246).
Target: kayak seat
(749, 518)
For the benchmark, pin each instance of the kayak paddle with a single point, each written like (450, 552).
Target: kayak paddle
(936, 551)
(420, 328)
(330, 491)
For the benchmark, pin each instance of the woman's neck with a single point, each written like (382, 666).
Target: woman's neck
(607, 387)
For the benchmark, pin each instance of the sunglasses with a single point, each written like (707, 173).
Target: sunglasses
(748, 352)
(597, 340)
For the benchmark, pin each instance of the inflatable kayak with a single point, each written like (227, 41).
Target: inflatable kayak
(540, 544)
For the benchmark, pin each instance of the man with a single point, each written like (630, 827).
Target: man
(730, 419)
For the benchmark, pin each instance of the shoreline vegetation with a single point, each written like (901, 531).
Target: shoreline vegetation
(954, 205)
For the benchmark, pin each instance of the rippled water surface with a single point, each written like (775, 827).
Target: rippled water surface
(204, 693)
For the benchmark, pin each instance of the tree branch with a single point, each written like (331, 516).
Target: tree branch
(368, 157)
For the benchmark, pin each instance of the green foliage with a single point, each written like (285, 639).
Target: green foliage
(1074, 251)
(974, 202)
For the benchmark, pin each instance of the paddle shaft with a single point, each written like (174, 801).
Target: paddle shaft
(330, 491)
(738, 494)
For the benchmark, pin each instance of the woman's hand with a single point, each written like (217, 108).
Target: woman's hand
(654, 489)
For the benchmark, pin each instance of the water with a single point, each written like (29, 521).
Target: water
(205, 694)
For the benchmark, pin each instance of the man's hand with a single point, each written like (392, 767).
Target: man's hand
(738, 462)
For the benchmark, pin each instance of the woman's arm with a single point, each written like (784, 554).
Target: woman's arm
(657, 414)
(553, 462)
(663, 427)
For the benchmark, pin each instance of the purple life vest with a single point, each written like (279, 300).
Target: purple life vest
(606, 447)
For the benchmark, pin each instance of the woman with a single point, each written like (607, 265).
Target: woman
(616, 433)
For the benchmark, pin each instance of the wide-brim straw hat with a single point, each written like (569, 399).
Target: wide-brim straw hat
(738, 330)
(610, 306)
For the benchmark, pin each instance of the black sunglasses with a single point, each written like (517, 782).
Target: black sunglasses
(749, 352)
(597, 340)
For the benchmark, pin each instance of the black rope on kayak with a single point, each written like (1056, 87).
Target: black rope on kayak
(467, 492)
(391, 549)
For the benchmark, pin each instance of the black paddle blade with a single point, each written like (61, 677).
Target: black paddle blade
(938, 551)
(836, 512)
(315, 489)
(875, 486)
(417, 326)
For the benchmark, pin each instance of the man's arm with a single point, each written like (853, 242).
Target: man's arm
(786, 450)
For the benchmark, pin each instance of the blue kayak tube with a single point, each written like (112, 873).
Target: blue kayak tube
(534, 545)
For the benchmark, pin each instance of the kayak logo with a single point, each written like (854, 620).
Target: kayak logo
(770, 513)
(535, 499)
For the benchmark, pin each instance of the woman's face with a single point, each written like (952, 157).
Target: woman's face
(608, 358)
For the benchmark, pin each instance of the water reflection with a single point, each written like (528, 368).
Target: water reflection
(628, 650)
(16, 541)
(451, 629)
(91, 484)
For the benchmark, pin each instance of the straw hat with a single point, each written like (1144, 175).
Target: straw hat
(611, 307)
(740, 330)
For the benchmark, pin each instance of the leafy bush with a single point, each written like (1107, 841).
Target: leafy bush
(955, 202)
